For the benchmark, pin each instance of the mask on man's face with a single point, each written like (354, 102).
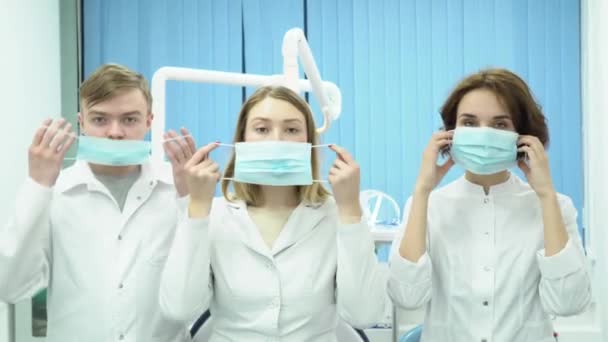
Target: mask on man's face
(112, 152)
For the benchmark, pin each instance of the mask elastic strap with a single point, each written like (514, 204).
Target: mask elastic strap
(314, 180)
(231, 145)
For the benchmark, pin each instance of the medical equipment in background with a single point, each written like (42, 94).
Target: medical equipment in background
(294, 45)
(383, 215)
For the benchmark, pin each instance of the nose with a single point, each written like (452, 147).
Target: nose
(277, 135)
(115, 131)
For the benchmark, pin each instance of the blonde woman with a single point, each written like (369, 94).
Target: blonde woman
(279, 258)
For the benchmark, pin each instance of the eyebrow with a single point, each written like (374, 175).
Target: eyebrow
(466, 115)
(502, 117)
(498, 117)
(96, 112)
(268, 120)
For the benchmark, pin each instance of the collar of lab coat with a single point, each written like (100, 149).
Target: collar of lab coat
(511, 186)
(304, 219)
(80, 174)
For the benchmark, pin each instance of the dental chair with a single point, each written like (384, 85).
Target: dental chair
(413, 335)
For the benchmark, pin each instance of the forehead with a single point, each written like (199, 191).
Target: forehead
(482, 103)
(275, 110)
(132, 100)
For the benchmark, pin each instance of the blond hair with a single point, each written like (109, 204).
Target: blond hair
(108, 81)
(250, 193)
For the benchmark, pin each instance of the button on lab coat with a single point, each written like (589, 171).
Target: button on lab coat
(102, 266)
(485, 276)
(316, 270)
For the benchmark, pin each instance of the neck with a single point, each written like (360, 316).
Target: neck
(117, 171)
(487, 181)
(279, 197)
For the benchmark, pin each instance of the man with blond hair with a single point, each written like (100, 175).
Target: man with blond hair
(98, 232)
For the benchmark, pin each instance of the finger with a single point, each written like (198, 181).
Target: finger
(201, 154)
(334, 171)
(189, 140)
(213, 167)
(440, 144)
(184, 148)
(524, 137)
(173, 150)
(173, 155)
(51, 131)
(59, 138)
(342, 153)
(40, 132)
(340, 164)
(443, 135)
(443, 169)
(524, 167)
(529, 151)
(66, 141)
(537, 146)
(207, 163)
(218, 176)
(170, 136)
(67, 144)
(530, 140)
(207, 168)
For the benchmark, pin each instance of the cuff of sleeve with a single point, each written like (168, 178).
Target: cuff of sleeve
(34, 196)
(411, 272)
(33, 187)
(196, 223)
(359, 231)
(182, 203)
(565, 262)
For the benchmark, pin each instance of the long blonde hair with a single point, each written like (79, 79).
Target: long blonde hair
(250, 193)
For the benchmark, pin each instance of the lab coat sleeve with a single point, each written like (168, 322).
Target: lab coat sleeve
(25, 244)
(565, 286)
(409, 284)
(186, 287)
(361, 282)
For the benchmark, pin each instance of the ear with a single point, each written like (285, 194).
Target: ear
(149, 119)
(80, 121)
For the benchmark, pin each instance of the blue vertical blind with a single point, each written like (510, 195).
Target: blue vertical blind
(146, 35)
(394, 60)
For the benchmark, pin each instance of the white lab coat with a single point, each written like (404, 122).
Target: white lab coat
(317, 269)
(102, 266)
(485, 276)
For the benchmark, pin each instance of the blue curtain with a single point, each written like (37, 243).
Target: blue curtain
(146, 35)
(394, 60)
(397, 60)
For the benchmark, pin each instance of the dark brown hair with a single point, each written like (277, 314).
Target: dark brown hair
(512, 92)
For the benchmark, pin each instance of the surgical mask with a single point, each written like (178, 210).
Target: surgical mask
(278, 163)
(484, 150)
(113, 152)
